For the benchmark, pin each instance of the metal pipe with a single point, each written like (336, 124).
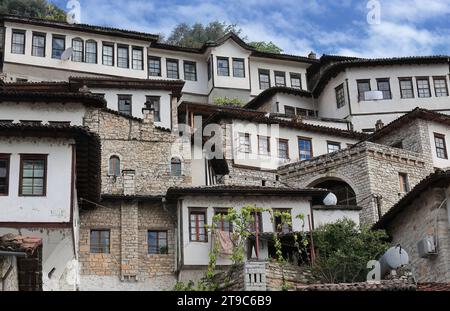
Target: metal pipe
(313, 254)
(15, 254)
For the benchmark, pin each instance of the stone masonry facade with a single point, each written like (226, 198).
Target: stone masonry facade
(371, 170)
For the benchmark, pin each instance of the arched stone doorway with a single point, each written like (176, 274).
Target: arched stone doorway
(343, 191)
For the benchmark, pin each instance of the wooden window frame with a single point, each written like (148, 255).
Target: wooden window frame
(265, 72)
(40, 157)
(357, 87)
(112, 46)
(290, 107)
(223, 211)
(299, 138)
(21, 32)
(86, 51)
(127, 47)
(222, 58)
(61, 37)
(409, 79)
(176, 161)
(156, 106)
(293, 75)
(38, 34)
(440, 136)
(280, 74)
(157, 242)
(176, 61)
(246, 135)
(403, 178)
(82, 50)
(378, 80)
(240, 60)
(99, 241)
(282, 210)
(434, 84)
(112, 171)
(424, 78)
(198, 211)
(336, 143)
(187, 62)
(268, 145)
(7, 158)
(337, 89)
(122, 97)
(283, 140)
(153, 59)
(140, 49)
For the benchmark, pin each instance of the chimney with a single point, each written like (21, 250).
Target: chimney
(147, 112)
(379, 125)
(129, 187)
(312, 55)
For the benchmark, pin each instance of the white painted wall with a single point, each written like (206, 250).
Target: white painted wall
(293, 101)
(275, 65)
(73, 112)
(48, 61)
(138, 102)
(319, 142)
(444, 130)
(323, 217)
(327, 99)
(55, 206)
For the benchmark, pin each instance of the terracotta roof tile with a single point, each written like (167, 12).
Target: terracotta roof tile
(391, 285)
(17, 243)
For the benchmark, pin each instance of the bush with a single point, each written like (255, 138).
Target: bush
(343, 251)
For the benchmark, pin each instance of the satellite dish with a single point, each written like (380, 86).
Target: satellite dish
(330, 199)
(394, 258)
(373, 95)
(67, 54)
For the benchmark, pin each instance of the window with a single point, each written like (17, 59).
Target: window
(157, 242)
(280, 78)
(172, 68)
(340, 96)
(385, 87)
(91, 52)
(289, 111)
(441, 148)
(406, 88)
(154, 102)
(264, 145)
(209, 69)
(38, 48)
(222, 224)
(363, 87)
(137, 58)
(154, 66)
(333, 146)
(264, 79)
(404, 185)
(78, 50)
(58, 46)
(197, 222)
(283, 148)
(256, 222)
(278, 221)
(33, 175)
(238, 67)
(305, 112)
(423, 87)
(305, 148)
(4, 174)
(296, 80)
(18, 42)
(244, 143)
(125, 104)
(223, 68)
(190, 71)
(440, 86)
(108, 54)
(175, 166)
(123, 56)
(99, 241)
(114, 166)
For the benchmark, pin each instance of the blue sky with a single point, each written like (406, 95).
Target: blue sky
(413, 27)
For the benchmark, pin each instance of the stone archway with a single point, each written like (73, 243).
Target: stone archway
(344, 192)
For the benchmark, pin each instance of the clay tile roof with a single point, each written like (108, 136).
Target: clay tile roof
(433, 287)
(439, 178)
(388, 285)
(19, 244)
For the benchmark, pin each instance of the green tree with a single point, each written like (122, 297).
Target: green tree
(343, 251)
(32, 8)
(194, 36)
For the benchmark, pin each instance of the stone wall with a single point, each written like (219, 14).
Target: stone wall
(240, 175)
(415, 222)
(11, 282)
(128, 265)
(370, 169)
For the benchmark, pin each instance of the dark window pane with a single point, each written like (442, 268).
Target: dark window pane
(406, 88)
(264, 79)
(122, 57)
(77, 46)
(125, 105)
(190, 71)
(38, 45)
(58, 47)
(172, 69)
(137, 59)
(154, 66)
(91, 52)
(222, 66)
(238, 68)
(18, 43)
(100, 241)
(108, 55)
